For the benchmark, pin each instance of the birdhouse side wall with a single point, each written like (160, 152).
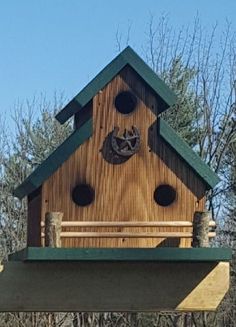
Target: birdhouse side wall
(34, 218)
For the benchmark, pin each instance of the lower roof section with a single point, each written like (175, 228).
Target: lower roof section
(123, 254)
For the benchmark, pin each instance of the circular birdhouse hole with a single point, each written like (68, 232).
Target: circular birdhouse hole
(125, 102)
(83, 195)
(164, 195)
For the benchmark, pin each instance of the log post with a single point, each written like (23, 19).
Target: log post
(53, 229)
(201, 229)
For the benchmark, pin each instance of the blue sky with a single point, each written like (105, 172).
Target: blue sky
(59, 45)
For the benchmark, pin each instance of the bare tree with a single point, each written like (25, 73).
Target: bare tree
(201, 69)
(35, 135)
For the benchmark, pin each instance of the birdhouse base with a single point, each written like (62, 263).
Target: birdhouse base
(66, 280)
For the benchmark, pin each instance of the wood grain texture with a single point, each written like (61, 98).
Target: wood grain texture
(128, 235)
(112, 286)
(124, 192)
(34, 217)
(210, 291)
(129, 224)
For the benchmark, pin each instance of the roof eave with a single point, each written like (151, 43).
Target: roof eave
(54, 161)
(209, 177)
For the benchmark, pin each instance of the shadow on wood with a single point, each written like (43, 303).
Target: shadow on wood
(112, 286)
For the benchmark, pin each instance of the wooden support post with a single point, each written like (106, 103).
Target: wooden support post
(53, 229)
(201, 229)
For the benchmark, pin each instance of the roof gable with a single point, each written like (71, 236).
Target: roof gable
(85, 130)
(126, 57)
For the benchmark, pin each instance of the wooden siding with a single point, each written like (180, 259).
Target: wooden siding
(34, 217)
(124, 192)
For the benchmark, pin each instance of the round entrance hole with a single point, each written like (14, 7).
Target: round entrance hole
(83, 195)
(125, 102)
(164, 195)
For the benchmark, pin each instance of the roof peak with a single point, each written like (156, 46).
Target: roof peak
(126, 57)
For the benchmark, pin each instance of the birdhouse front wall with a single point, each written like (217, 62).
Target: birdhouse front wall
(125, 191)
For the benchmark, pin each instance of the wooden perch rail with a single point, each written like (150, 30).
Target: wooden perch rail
(200, 229)
(129, 234)
(129, 224)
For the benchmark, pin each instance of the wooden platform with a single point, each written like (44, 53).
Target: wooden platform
(114, 280)
(116, 254)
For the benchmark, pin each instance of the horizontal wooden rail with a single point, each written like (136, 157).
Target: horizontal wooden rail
(129, 235)
(129, 224)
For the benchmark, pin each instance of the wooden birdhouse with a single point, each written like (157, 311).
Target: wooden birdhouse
(123, 178)
(107, 206)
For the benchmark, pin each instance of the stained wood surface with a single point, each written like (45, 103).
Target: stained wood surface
(112, 286)
(112, 235)
(34, 217)
(129, 224)
(124, 192)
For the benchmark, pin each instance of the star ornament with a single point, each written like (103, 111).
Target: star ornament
(126, 144)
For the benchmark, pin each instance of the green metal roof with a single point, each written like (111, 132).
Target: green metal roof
(126, 57)
(119, 254)
(187, 154)
(54, 161)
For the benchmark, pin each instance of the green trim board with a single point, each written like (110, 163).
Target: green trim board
(123, 254)
(127, 57)
(187, 154)
(54, 161)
